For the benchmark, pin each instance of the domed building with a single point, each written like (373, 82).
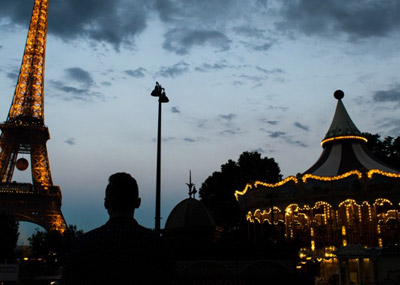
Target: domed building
(190, 221)
(346, 197)
(203, 257)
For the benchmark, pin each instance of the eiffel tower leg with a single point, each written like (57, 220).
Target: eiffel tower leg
(8, 157)
(40, 165)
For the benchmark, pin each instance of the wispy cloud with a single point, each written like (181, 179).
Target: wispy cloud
(137, 73)
(276, 134)
(233, 131)
(285, 137)
(205, 67)
(301, 126)
(174, 70)
(175, 110)
(13, 76)
(69, 93)
(272, 123)
(390, 95)
(249, 31)
(80, 75)
(227, 117)
(70, 141)
(391, 127)
(260, 150)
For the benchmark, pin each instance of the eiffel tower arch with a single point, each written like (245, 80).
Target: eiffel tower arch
(24, 132)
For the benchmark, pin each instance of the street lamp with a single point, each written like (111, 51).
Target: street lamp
(162, 98)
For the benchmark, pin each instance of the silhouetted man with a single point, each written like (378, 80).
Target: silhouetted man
(121, 251)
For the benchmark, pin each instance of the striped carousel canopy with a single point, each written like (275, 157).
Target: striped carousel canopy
(344, 147)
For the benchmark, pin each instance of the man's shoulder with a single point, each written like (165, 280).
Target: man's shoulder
(119, 227)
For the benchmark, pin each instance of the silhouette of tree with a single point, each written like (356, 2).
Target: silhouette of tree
(386, 150)
(8, 237)
(217, 191)
(52, 245)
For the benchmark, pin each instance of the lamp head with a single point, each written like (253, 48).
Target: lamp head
(163, 98)
(157, 90)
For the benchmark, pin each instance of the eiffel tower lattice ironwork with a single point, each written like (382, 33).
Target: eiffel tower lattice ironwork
(24, 132)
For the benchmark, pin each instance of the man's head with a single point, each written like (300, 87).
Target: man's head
(122, 195)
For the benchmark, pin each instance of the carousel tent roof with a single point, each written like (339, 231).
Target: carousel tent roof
(341, 125)
(344, 147)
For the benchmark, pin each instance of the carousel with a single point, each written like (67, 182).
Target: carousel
(347, 197)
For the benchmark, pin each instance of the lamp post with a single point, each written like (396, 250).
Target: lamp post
(162, 98)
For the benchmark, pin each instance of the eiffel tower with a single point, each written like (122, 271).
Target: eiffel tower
(24, 132)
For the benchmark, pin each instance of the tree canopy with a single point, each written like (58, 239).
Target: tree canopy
(386, 150)
(52, 245)
(217, 191)
(8, 237)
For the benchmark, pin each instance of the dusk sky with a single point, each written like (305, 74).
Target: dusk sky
(255, 75)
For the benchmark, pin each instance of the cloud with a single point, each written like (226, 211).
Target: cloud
(114, 22)
(300, 126)
(201, 123)
(70, 93)
(137, 73)
(263, 47)
(279, 108)
(188, 23)
(391, 127)
(260, 150)
(391, 95)
(192, 23)
(13, 76)
(254, 78)
(186, 139)
(231, 131)
(192, 140)
(295, 142)
(174, 70)
(70, 141)
(276, 134)
(249, 31)
(228, 117)
(237, 83)
(283, 136)
(356, 19)
(272, 123)
(270, 71)
(80, 75)
(181, 40)
(205, 67)
(106, 83)
(78, 87)
(175, 110)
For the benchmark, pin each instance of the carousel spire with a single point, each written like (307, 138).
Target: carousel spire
(344, 147)
(342, 127)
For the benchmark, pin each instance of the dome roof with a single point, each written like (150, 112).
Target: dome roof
(190, 213)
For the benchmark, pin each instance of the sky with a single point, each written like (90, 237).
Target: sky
(255, 75)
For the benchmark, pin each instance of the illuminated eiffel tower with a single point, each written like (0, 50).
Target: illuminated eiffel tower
(24, 132)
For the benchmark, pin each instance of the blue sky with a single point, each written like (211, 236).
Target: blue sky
(240, 76)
